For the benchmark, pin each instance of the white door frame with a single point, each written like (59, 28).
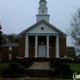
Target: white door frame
(42, 50)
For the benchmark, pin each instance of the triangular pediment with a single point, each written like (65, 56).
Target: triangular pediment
(42, 28)
(36, 28)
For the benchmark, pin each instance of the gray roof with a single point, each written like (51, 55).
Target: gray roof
(10, 45)
(42, 21)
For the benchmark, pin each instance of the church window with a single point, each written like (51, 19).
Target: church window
(10, 52)
(41, 4)
(42, 11)
(42, 28)
(68, 53)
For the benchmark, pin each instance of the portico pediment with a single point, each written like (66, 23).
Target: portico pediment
(42, 28)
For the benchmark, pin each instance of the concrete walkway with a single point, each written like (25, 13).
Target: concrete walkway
(31, 79)
(40, 66)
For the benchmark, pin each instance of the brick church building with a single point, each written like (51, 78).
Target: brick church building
(39, 42)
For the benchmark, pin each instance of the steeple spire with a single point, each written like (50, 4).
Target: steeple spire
(42, 7)
(43, 11)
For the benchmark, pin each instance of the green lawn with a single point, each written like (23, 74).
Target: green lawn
(3, 65)
(75, 67)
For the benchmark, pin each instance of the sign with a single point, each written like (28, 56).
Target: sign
(76, 77)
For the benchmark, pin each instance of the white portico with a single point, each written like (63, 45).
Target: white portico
(39, 48)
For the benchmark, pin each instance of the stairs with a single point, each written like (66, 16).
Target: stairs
(39, 73)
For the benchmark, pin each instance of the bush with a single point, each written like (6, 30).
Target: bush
(13, 71)
(69, 61)
(25, 62)
(64, 66)
(63, 71)
(15, 60)
(55, 63)
(65, 60)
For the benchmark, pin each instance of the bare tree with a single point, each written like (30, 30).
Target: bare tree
(0, 40)
(12, 38)
(75, 30)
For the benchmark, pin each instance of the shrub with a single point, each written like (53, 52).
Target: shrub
(64, 66)
(15, 60)
(63, 71)
(13, 71)
(25, 62)
(55, 63)
(69, 61)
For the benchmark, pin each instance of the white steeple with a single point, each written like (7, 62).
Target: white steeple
(43, 11)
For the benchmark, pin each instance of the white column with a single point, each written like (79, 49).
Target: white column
(57, 46)
(26, 46)
(36, 46)
(47, 46)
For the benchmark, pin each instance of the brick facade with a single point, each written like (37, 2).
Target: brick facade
(21, 47)
(20, 50)
(52, 49)
(5, 53)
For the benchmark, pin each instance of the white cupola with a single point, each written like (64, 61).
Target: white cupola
(43, 11)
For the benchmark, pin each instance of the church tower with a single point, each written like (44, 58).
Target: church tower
(43, 11)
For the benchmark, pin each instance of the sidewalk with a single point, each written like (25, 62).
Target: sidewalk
(40, 66)
(31, 79)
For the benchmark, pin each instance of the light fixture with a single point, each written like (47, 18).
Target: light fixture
(49, 47)
(41, 42)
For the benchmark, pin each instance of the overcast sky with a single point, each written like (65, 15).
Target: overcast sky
(17, 15)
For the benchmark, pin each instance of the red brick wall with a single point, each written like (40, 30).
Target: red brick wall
(62, 47)
(31, 47)
(20, 50)
(5, 51)
(42, 39)
(21, 47)
(71, 51)
(52, 45)
(14, 52)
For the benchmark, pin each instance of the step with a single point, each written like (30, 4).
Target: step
(39, 73)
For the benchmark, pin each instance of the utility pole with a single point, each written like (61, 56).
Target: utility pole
(0, 40)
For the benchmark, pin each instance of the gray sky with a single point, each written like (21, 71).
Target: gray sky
(17, 15)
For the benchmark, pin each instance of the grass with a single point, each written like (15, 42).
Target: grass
(3, 65)
(75, 67)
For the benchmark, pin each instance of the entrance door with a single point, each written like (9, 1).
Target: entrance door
(42, 50)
